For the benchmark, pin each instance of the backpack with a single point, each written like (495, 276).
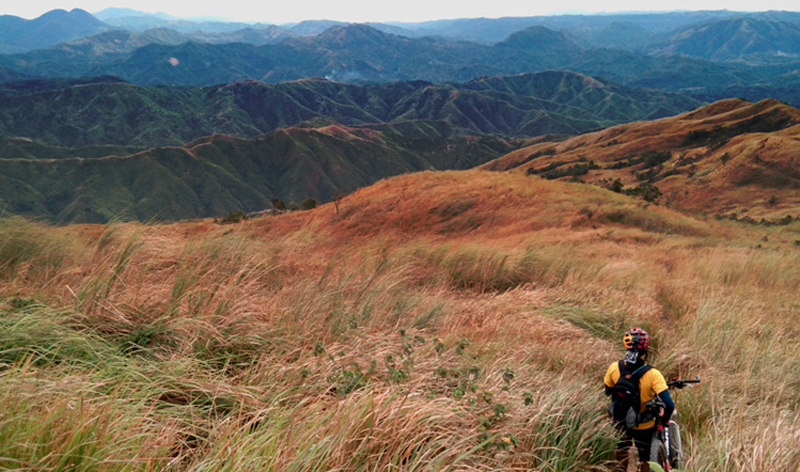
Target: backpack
(625, 398)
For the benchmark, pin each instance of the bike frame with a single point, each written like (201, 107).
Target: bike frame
(663, 433)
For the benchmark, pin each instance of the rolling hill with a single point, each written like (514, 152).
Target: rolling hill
(732, 158)
(217, 174)
(462, 319)
(106, 111)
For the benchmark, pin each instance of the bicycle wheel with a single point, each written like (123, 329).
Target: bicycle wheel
(675, 446)
(658, 452)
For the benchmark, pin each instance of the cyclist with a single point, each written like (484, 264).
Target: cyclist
(651, 383)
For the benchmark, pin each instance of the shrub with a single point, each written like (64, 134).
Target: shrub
(647, 191)
(278, 205)
(572, 171)
(309, 204)
(654, 158)
(235, 216)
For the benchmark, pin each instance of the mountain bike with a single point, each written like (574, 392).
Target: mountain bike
(666, 448)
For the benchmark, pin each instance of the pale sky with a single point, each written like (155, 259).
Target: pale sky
(284, 11)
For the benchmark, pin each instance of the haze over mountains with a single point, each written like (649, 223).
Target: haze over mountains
(692, 51)
(127, 113)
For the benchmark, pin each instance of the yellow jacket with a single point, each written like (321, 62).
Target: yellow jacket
(651, 384)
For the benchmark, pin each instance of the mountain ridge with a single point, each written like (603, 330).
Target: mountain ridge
(372, 56)
(732, 158)
(216, 174)
(735, 39)
(81, 112)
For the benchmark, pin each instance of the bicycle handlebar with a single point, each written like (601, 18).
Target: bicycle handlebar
(680, 383)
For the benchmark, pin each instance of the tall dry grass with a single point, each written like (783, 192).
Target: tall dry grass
(289, 344)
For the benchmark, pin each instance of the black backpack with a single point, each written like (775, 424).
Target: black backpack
(625, 398)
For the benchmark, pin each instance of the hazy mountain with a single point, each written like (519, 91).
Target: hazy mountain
(361, 54)
(18, 34)
(257, 35)
(138, 24)
(114, 13)
(538, 40)
(138, 21)
(621, 35)
(736, 38)
(108, 112)
(119, 43)
(673, 72)
(312, 27)
(492, 30)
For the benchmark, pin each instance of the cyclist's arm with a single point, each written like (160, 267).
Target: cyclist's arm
(669, 405)
(609, 380)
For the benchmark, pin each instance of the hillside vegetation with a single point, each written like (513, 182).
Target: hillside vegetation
(218, 174)
(434, 321)
(733, 158)
(80, 112)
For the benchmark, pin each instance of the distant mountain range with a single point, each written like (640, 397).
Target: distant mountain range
(96, 111)
(644, 32)
(106, 111)
(758, 52)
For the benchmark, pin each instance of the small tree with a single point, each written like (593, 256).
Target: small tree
(278, 205)
(338, 195)
(308, 204)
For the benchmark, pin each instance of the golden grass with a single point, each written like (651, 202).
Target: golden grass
(722, 161)
(452, 321)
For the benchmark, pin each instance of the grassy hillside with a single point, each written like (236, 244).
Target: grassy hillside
(218, 174)
(457, 321)
(733, 158)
